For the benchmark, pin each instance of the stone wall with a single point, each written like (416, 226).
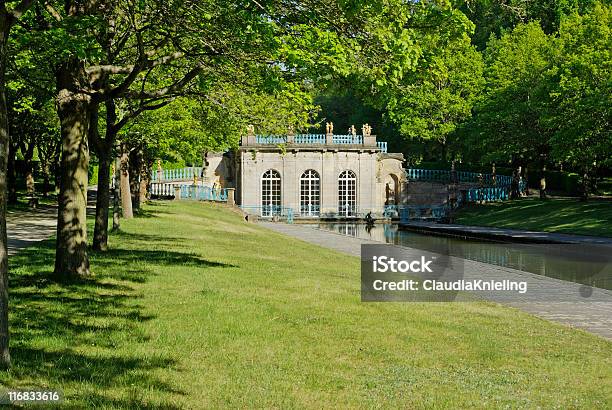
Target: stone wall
(219, 170)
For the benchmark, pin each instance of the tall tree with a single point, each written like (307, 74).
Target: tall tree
(508, 125)
(581, 90)
(431, 103)
(7, 20)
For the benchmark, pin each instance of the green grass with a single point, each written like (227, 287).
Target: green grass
(194, 308)
(553, 215)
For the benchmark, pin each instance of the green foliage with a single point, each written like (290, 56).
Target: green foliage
(93, 174)
(582, 90)
(439, 95)
(507, 123)
(187, 127)
(493, 17)
(547, 97)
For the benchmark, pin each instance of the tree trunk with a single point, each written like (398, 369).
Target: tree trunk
(100, 239)
(29, 174)
(116, 199)
(126, 195)
(12, 175)
(584, 186)
(5, 358)
(104, 148)
(134, 163)
(71, 258)
(145, 175)
(56, 166)
(44, 165)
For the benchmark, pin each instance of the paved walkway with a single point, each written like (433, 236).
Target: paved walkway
(26, 227)
(548, 298)
(511, 235)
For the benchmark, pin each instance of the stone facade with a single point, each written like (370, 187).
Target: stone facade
(379, 177)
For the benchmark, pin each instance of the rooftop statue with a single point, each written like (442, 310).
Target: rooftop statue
(366, 130)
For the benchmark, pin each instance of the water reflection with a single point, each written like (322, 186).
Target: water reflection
(587, 264)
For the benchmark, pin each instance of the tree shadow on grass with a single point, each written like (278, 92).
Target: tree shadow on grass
(152, 210)
(156, 257)
(86, 335)
(152, 240)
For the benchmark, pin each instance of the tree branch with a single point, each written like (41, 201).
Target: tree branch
(140, 110)
(164, 91)
(54, 13)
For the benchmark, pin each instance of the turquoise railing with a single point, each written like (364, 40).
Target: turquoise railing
(488, 194)
(391, 211)
(179, 174)
(347, 139)
(309, 210)
(410, 212)
(203, 193)
(309, 139)
(269, 211)
(491, 194)
(271, 139)
(443, 175)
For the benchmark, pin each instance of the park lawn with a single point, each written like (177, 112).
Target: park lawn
(572, 216)
(194, 308)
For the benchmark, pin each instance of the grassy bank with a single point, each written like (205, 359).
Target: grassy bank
(553, 215)
(193, 308)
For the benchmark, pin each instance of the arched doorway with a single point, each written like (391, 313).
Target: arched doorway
(392, 191)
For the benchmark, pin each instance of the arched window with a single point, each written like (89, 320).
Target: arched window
(347, 194)
(270, 193)
(310, 193)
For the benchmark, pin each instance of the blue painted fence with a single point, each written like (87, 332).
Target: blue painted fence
(309, 139)
(347, 139)
(488, 194)
(179, 174)
(444, 175)
(491, 194)
(271, 139)
(203, 193)
(412, 212)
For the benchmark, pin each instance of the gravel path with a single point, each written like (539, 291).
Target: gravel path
(26, 227)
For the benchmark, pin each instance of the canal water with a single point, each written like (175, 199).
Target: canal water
(586, 264)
